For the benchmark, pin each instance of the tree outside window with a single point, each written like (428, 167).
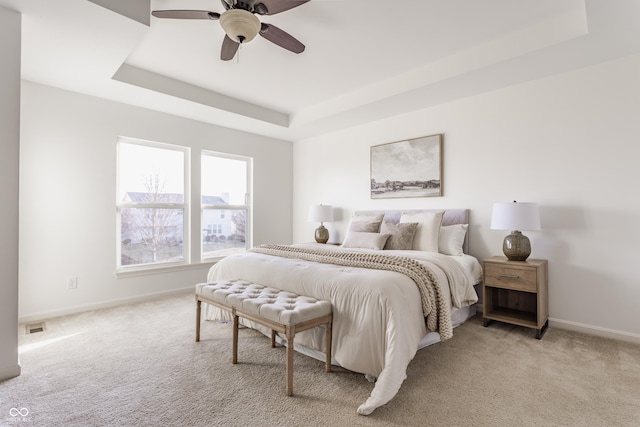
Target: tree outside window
(151, 188)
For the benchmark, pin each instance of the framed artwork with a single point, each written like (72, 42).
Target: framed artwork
(411, 168)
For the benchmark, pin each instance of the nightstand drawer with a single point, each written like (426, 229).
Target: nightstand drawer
(508, 277)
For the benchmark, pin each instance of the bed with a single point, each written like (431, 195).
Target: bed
(400, 281)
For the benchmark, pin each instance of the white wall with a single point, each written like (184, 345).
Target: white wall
(569, 142)
(10, 23)
(67, 196)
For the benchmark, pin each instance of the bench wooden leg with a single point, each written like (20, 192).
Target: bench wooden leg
(198, 308)
(288, 330)
(327, 346)
(291, 332)
(234, 359)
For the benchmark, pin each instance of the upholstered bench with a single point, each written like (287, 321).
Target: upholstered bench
(281, 311)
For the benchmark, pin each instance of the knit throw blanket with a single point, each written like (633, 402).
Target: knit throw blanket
(424, 278)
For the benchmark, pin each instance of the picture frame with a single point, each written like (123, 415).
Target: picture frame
(408, 168)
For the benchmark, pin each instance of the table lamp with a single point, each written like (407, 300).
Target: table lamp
(515, 217)
(321, 213)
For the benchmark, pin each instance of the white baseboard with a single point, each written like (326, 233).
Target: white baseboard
(106, 304)
(10, 372)
(555, 323)
(588, 329)
(595, 330)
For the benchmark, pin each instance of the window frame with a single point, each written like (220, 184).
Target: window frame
(248, 206)
(185, 206)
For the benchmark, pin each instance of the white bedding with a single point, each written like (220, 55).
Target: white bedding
(378, 322)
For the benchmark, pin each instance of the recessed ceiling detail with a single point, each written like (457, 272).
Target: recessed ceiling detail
(353, 69)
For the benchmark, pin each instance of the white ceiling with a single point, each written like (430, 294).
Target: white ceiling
(364, 59)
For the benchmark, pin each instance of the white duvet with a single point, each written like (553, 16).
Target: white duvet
(377, 315)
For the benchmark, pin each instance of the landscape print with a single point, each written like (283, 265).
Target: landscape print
(411, 168)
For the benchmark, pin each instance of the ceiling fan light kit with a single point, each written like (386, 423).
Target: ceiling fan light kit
(240, 25)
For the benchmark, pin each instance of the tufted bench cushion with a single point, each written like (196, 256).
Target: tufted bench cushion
(282, 311)
(273, 304)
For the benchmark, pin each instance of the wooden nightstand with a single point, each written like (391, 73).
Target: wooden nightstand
(516, 292)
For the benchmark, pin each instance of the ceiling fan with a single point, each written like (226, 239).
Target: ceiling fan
(241, 25)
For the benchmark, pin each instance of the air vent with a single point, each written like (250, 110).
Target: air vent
(32, 328)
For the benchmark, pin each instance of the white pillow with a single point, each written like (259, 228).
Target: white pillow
(428, 232)
(361, 240)
(452, 238)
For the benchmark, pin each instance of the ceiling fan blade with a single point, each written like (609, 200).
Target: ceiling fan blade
(281, 38)
(185, 14)
(229, 49)
(271, 7)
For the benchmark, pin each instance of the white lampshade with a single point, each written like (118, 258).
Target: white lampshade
(320, 213)
(515, 216)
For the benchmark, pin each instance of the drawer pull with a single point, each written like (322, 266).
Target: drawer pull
(510, 276)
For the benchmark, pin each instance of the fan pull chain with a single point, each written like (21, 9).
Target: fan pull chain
(238, 55)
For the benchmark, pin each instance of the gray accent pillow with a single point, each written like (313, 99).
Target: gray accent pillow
(400, 235)
(365, 223)
(365, 226)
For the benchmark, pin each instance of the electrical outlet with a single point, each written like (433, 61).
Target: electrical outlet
(72, 283)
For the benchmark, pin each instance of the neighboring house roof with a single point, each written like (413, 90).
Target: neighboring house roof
(133, 196)
(213, 200)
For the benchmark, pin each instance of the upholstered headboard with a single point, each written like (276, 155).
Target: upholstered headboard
(450, 217)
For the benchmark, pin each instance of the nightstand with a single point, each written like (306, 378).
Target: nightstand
(516, 292)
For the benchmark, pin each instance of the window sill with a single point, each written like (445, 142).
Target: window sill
(123, 274)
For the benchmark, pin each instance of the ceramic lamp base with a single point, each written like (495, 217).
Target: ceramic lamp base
(322, 234)
(516, 246)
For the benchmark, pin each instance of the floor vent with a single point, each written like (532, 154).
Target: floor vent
(32, 328)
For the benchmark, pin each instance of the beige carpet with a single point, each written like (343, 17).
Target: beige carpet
(138, 365)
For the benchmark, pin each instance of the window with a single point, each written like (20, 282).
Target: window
(151, 204)
(226, 204)
(154, 226)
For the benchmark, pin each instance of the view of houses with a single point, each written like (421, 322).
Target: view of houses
(152, 234)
